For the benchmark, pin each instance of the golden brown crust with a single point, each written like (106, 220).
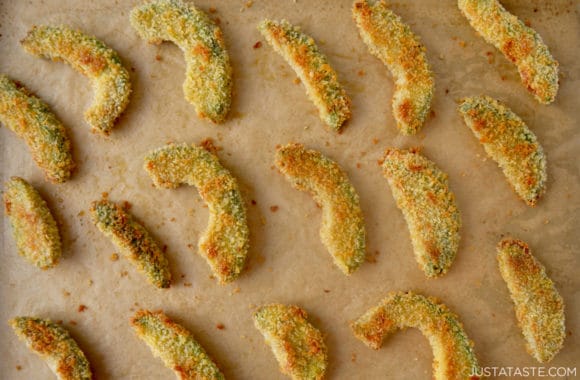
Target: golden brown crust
(208, 79)
(393, 42)
(519, 43)
(454, 357)
(33, 121)
(313, 69)
(133, 240)
(343, 229)
(538, 305)
(422, 193)
(510, 143)
(297, 345)
(225, 242)
(92, 58)
(34, 228)
(175, 345)
(55, 345)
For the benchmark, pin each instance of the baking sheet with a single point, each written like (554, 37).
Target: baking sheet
(287, 262)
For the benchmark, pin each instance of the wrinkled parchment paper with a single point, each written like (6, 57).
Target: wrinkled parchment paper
(287, 262)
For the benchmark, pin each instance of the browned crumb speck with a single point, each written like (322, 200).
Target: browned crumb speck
(210, 146)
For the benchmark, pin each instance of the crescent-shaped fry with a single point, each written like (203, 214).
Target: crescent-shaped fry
(422, 193)
(393, 42)
(313, 69)
(92, 58)
(133, 241)
(33, 121)
(34, 228)
(298, 346)
(519, 43)
(538, 305)
(343, 229)
(454, 357)
(175, 345)
(510, 143)
(225, 242)
(54, 344)
(208, 77)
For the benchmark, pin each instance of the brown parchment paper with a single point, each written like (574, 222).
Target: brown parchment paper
(287, 262)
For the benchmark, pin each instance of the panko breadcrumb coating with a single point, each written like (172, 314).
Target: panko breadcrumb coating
(538, 305)
(225, 242)
(343, 228)
(298, 346)
(454, 357)
(34, 228)
(133, 241)
(510, 143)
(92, 58)
(208, 78)
(520, 44)
(393, 42)
(422, 193)
(313, 69)
(175, 345)
(54, 344)
(33, 121)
